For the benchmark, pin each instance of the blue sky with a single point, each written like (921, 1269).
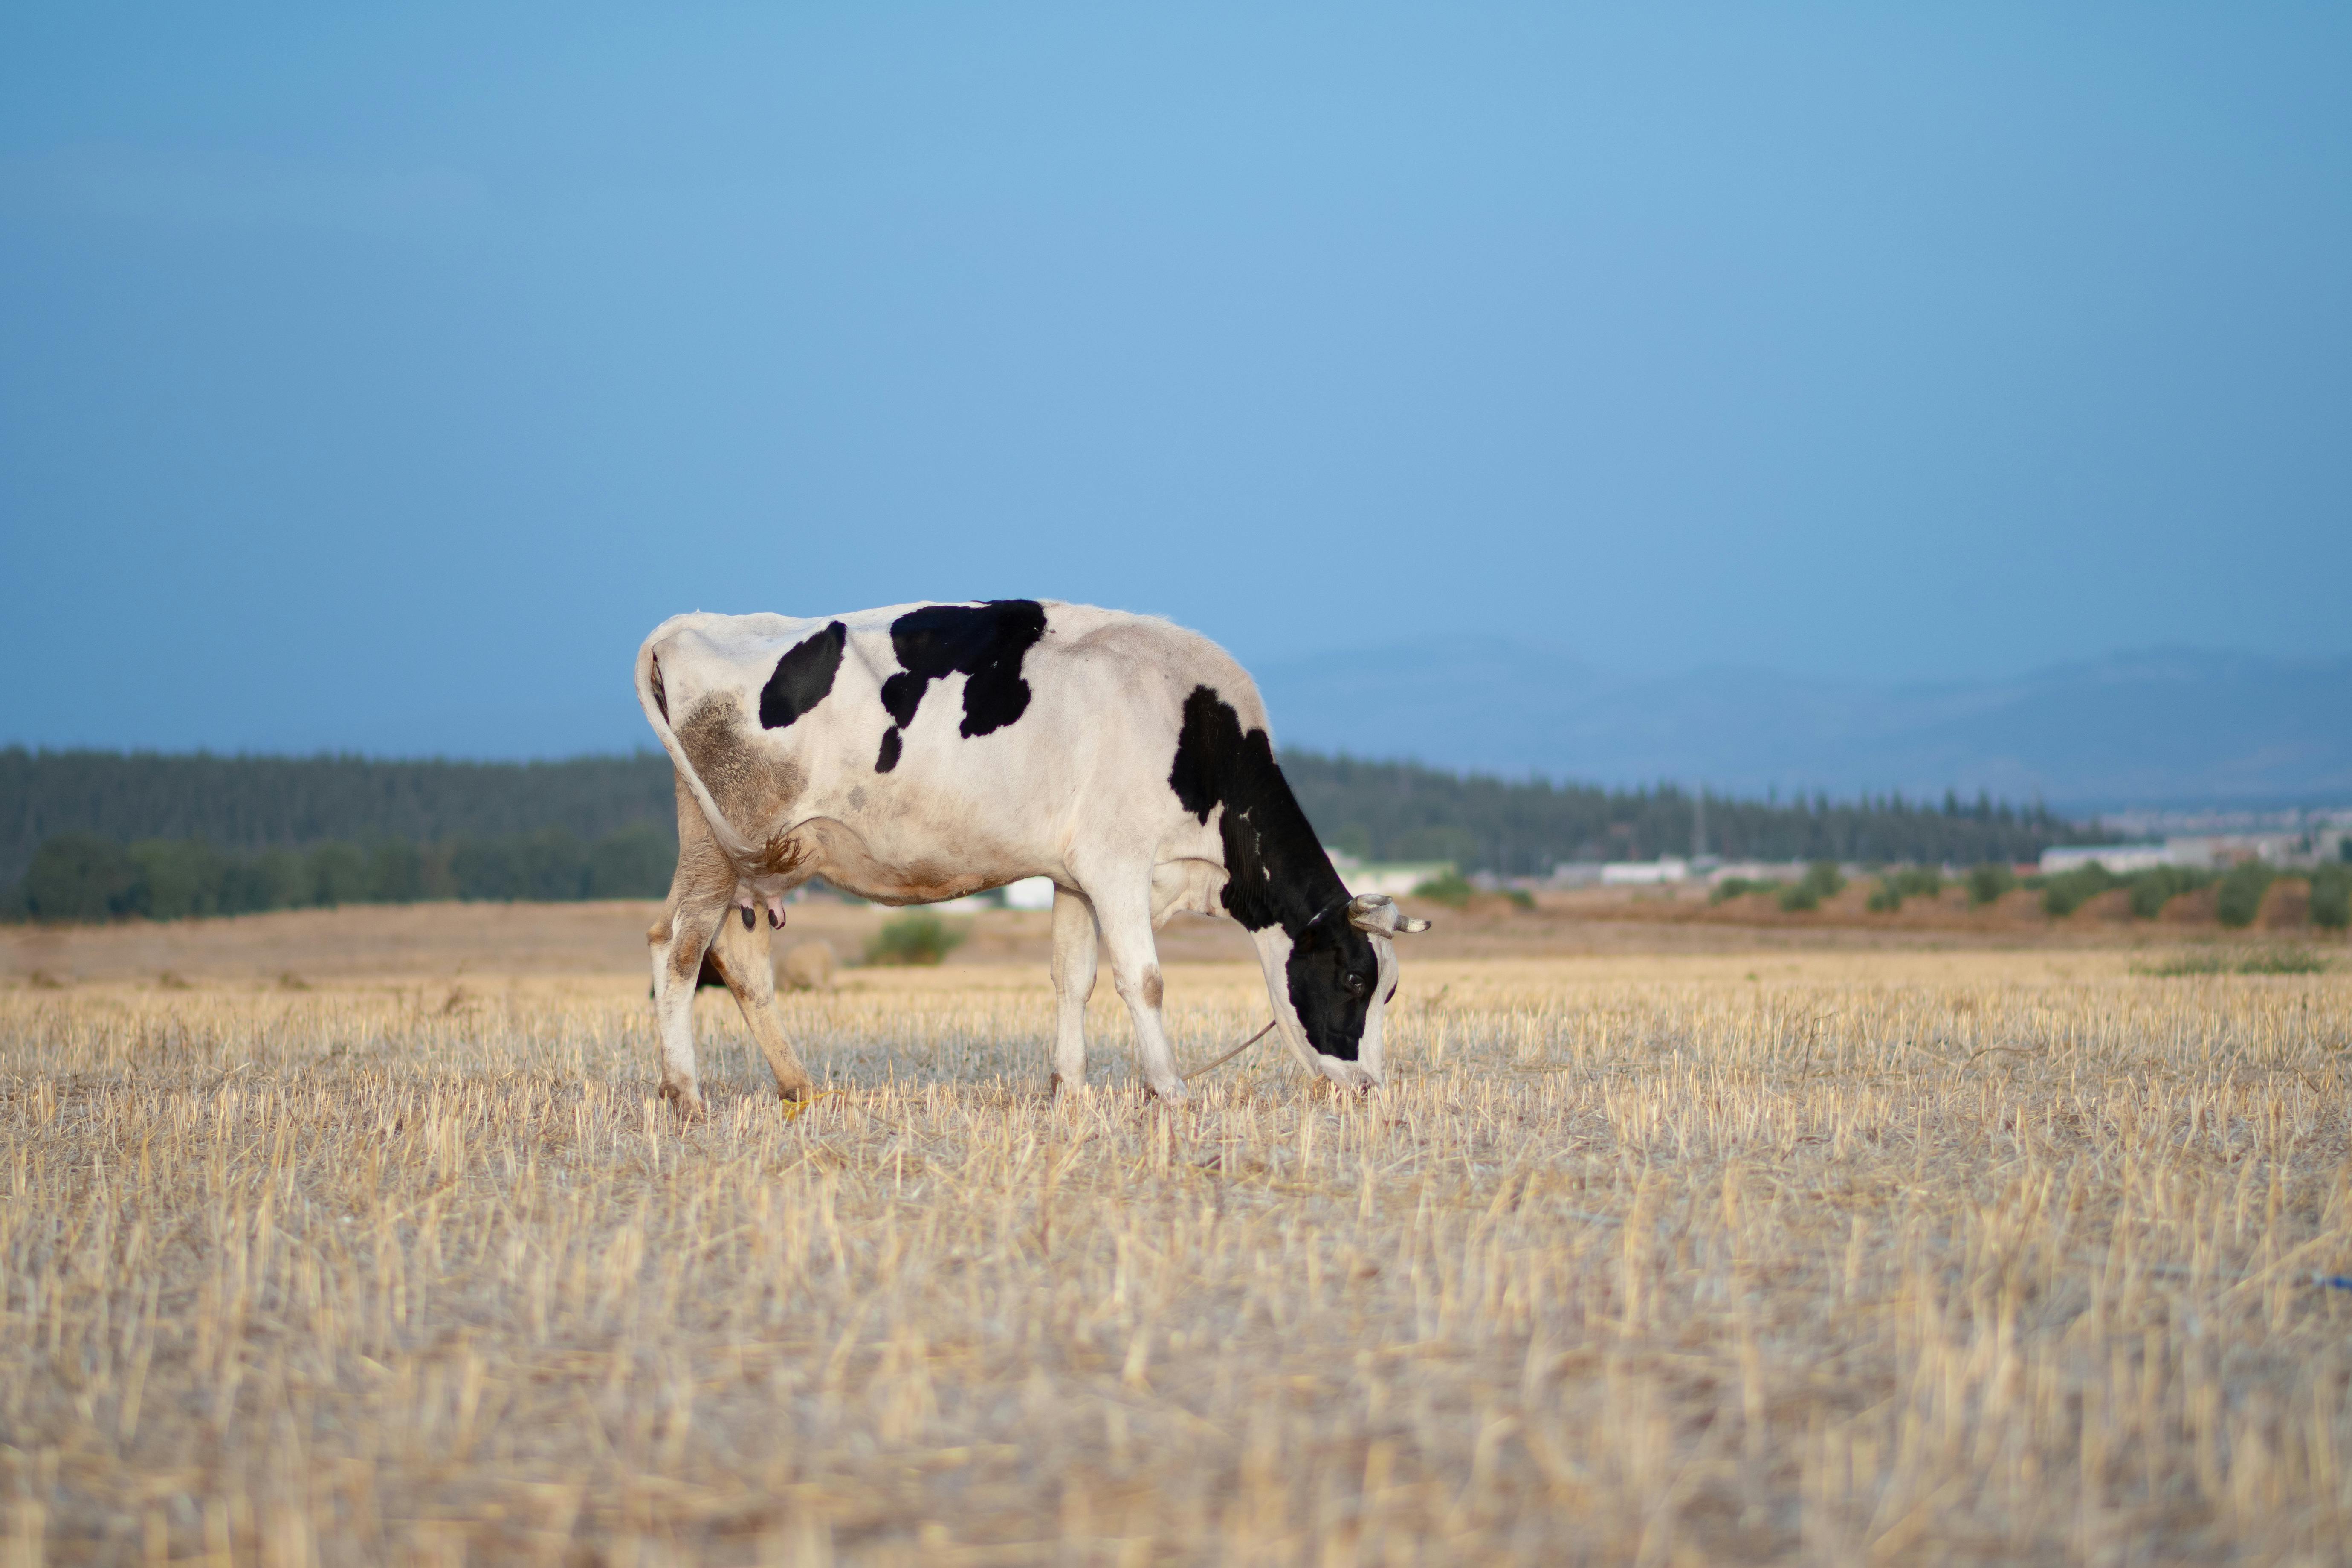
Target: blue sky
(375, 379)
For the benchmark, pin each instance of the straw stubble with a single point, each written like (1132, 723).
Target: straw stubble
(1886, 1258)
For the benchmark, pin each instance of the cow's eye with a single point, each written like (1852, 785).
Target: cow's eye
(1357, 986)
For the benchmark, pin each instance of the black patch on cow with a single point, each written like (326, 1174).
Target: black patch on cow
(1275, 870)
(802, 678)
(984, 643)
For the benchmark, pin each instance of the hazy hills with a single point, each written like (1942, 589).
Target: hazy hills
(2147, 727)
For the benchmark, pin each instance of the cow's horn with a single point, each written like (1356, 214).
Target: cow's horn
(1378, 911)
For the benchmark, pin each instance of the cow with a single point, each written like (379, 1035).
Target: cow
(923, 751)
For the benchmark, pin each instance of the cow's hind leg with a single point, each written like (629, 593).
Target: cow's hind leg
(1124, 917)
(742, 957)
(679, 940)
(1074, 981)
(699, 895)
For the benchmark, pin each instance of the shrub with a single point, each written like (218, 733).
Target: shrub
(487, 868)
(2065, 893)
(2240, 897)
(1737, 887)
(395, 872)
(177, 878)
(634, 863)
(2331, 897)
(79, 876)
(2249, 960)
(2153, 888)
(1452, 890)
(281, 880)
(1989, 882)
(1918, 881)
(339, 875)
(918, 936)
(1820, 881)
(1887, 896)
(1522, 900)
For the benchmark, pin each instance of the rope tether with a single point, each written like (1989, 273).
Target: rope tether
(1205, 1071)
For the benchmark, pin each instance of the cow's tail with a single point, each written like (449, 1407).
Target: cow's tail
(739, 850)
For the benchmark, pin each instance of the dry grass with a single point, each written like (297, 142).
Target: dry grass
(1844, 1258)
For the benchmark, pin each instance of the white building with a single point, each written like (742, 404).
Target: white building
(1395, 878)
(1644, 873)
(2122, 859)
(2204, 852)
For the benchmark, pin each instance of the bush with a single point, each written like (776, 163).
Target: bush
(1521, 899)
(2249, 960)
(635, 863)
(487, 868)
(918, 936)
(1886, 898)
(338, 875)
(79, 876)
(1989, 882)
(2153, 888)
(2331, 897)
(398, 873)
(1452, 890)
(1739, 886)
(1820, 881)
(177, 878)
(1918, 881)
(2067, 891)
(2240, 897)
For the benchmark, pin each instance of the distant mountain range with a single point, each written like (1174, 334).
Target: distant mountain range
(2151, 727)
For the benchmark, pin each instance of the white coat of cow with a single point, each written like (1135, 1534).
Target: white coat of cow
(922, 752)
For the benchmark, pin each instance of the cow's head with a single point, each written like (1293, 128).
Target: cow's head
(1340, 971)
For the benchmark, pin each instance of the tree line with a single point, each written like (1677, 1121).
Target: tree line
(1403, 811)
(97, 835)
(245, 804)
(85, 877)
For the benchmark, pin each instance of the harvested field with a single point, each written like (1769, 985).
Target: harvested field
(1772, 1256)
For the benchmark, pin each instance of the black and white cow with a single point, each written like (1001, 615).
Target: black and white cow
(922, 752)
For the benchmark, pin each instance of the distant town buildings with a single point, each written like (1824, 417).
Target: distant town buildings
(2321, 842)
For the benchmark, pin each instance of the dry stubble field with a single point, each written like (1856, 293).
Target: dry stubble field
(1838, 1258)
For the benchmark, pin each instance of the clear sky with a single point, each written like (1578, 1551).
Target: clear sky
(377, 376)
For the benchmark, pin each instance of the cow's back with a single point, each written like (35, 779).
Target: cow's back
(922, 750)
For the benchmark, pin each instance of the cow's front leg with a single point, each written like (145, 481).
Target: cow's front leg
(1074, 981)
(1124, 920)
(744, 959)
(678, 940)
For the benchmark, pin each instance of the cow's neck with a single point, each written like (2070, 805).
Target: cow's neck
(1277, 871)
(1277, 874)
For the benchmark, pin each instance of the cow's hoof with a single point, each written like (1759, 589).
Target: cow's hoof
(801, 1092)
(1168, 1093)
(687, 1102)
